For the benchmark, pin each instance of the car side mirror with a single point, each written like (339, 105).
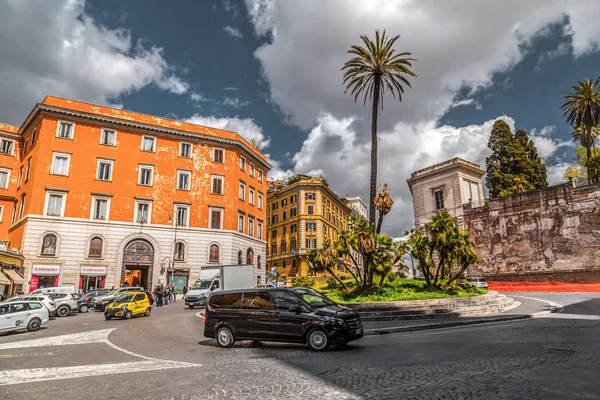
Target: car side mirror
(295, 309)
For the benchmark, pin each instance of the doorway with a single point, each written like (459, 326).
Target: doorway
(135, 276)
(138, 260)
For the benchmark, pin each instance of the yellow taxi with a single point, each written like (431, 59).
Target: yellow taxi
(127, 305)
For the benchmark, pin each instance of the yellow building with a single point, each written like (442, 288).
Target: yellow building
(301, 212)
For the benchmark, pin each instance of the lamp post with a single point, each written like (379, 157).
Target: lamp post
(174, 248)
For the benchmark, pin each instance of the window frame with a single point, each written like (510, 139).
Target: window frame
(55, 245)
(251, 192)
(147, 167)
(212, 184)
(136, 210)
(12, 148)
(243, 163)
(22, 207)
(176, 208)
(259, 229)
(242, 191)
(58, 126)
(56, 154)
(25, 144)
(211, 260)
(259, 200)
(184, 252)
(110, 174)
(260, 175)
(214, 152)
(314, 224)
(1, 213)
(210, 217)
(181, 145)
(252, 170)
(154, 144)
(251, 226)
(311, 240)
(89, 255)
(50, 193)
(241, 223)
(7, 171)
(435, 199)
(102, 131)
(28, 169)
(93, 208)
(182, 172)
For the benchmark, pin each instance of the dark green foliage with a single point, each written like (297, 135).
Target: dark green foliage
(303, 281)
(514, 165)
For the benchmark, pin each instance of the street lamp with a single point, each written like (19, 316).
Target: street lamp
(174, 248)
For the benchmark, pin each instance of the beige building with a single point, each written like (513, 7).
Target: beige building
(446, 186)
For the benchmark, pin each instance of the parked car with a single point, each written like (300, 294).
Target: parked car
(478, 282)
(58, 289)
(83, 305)
(66, 303)
(127, 305)
(92, 294)
(296, 315)
(17, 315)
(100, 302)
(45, 300)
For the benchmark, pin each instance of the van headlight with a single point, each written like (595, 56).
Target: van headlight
(338, 322)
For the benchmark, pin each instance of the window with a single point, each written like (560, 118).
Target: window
(275, 206)
(55, 204)
(217, 185)
(273, 249)
(1, 213)
(241, 223)
(104, 170)
(251, 196)
(259, 230)
(146, 175)
(185, 150)
(283, 202)
(292, 244)
(49, 245)
(260, 201)
(284, 230)
(183, 180)
(33, 137)
(242, 191)
(274, 221)
(251, 227)
(310, 209)
(471, 192)
(219, 155)
(439, 199)
(4, 178)
(284, 300)
(181, 216)
(108, 137)
(20, 177)
(293, 199)
(25, 147)
(293, 228)
(95, 248)
(28, 170)
(310, 196)
(148, 143)
(256, 301)
(14, 214)
(252, 170)
(143, 211)
(179, 254)
(293, 212)
(216, 218)
(22, 206)
(260, 175)
(274, 235)
(243, 163)
(311, 243)
(283, 247)
(311, 227)
(60, 164)
(213, 254)
(283, 265)
(100, 208)
(240, 257)
(283, 215)
(227, 301)
(65, 130)
(7, 146)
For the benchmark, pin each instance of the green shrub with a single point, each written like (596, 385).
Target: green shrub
(303, 281)
(332, 283)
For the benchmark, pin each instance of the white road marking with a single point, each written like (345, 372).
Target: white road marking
(63, 340)
(26, 355)
(200, 314)
(24, 376)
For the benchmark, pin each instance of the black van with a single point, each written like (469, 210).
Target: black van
(297, 315)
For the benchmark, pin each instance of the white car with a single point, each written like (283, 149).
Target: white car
(18, 315)
(478, 282)
(45, 300)
(65, 303)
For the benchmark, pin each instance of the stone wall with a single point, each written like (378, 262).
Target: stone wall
(548, 232)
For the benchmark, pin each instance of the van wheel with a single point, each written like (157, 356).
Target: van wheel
(225, 337)
(147, 313)
(317, 340)
(128, 315)
(83, 308)
(34, 325)
(191, 306)
(63, 311)
(107, 317)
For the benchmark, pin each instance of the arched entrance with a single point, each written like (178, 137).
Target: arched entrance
(138, 260)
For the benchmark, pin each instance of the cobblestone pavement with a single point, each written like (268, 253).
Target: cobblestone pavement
(166, 357)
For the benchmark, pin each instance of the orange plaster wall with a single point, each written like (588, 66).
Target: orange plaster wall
(11, 162)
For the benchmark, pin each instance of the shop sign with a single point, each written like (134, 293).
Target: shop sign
(93, 270)
(45, 270)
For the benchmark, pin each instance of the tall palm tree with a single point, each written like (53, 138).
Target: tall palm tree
(373, 70)
(582, 110)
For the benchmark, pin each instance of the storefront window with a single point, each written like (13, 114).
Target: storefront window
(49, 245)
(95, 247)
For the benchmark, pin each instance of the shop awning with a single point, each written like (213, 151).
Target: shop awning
(4, 280)
(14, 276)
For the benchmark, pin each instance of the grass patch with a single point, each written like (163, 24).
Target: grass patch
(398, 290)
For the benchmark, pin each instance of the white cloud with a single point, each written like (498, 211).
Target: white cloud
(235, 102)
(55, 48)
(233, 32)
(546, 144)
(246, 127)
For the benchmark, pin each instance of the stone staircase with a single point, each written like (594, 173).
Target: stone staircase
(488, 304)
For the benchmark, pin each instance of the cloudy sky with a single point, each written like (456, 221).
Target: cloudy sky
(270, 70)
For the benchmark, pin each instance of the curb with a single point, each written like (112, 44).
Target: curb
(450, 324)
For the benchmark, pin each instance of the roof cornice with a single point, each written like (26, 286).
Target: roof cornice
(145, 128)
(445, 169)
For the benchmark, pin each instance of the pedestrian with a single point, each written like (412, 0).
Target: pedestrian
(185, 290)
(166, 295)
(159, 296)
(173, 293)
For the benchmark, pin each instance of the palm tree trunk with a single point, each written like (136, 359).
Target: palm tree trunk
(379, 222)
(373, 187)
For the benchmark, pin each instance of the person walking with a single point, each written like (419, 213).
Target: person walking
(158, 296)
(166, 295)
(185, 290)
(175, 290)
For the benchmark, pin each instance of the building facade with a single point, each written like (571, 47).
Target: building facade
(102, 196)
(301, 212)
(446, 186)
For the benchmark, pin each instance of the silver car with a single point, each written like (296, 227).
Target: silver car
(66, 303)
(478, 282)
(45, 300)
(18, 315)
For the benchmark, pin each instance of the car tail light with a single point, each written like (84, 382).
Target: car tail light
(205, 316)
(85, 298)
(52, 304)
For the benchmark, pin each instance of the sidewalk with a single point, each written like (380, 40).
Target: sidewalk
(529, 308)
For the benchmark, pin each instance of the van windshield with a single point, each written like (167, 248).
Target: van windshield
(313, 298)
(202, 285)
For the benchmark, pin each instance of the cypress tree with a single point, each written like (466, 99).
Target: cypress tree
(499, 163)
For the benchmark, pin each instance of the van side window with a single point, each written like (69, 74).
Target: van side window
(284, 300)
(34, 306)
(226, 301)
(257, 301)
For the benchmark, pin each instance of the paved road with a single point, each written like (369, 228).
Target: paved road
(165, 356)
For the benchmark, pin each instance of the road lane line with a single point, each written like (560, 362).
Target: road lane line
(99, 336)
(24, 376)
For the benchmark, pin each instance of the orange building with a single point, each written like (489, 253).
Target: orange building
(98, 196)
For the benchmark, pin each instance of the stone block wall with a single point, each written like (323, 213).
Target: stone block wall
(544, 232)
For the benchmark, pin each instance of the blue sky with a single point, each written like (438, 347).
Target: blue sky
(270, 70)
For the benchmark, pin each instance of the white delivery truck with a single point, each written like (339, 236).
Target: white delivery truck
(223, 277)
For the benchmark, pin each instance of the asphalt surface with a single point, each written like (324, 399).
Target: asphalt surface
(165, 356)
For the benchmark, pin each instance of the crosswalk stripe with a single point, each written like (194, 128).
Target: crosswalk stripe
(23, 376)
(62, 340)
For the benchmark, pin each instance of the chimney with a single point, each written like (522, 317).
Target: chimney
(254, 142)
